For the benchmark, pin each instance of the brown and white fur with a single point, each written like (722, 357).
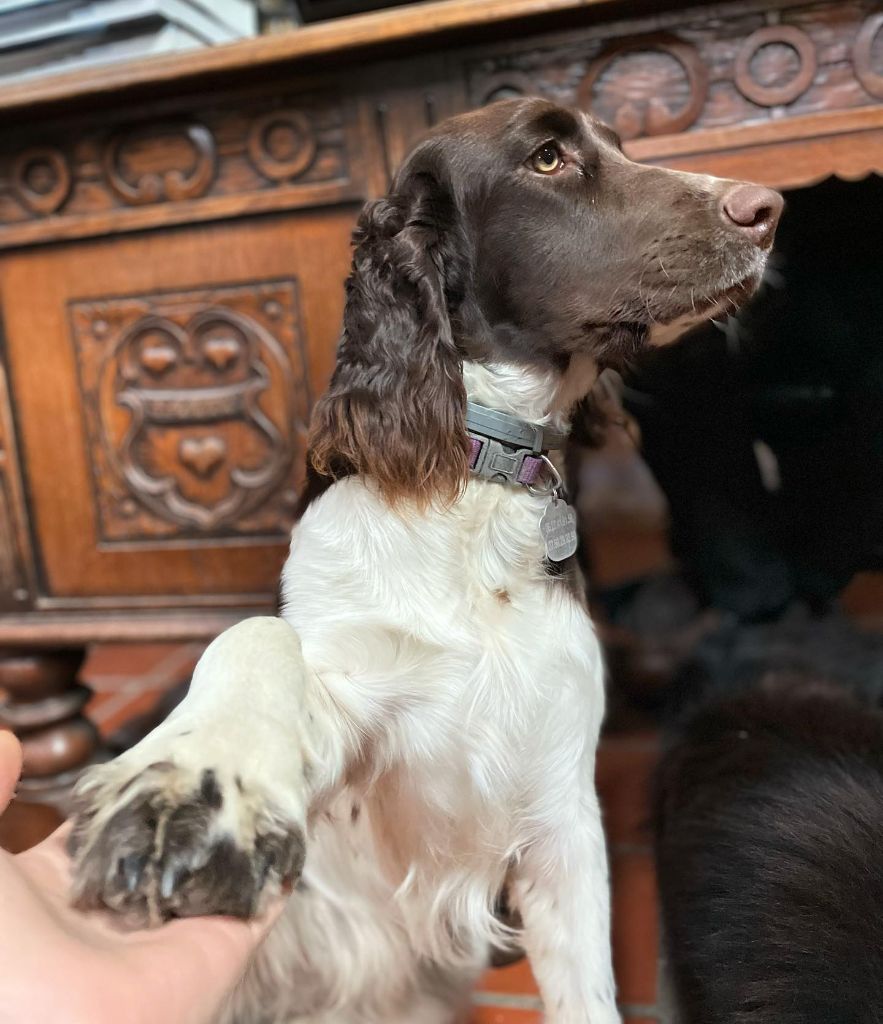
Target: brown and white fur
(421, 722)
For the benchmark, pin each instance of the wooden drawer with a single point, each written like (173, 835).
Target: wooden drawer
(162, 384)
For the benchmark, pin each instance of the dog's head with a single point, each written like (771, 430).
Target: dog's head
(518, 233)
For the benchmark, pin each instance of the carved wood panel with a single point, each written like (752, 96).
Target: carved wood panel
(646, 85)
(406, 101)
(867, 56)
(196, 406)
(295, 144)
(160, 383)
(151, 444)
(14, 588)
(697, 69)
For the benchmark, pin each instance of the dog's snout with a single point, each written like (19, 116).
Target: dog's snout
(755, 211)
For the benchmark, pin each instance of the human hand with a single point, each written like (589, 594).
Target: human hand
(59, 965)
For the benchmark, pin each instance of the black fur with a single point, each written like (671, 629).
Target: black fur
(769, 829)
(802, 371)
(192, 871)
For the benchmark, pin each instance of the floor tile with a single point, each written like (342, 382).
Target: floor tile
(515, 979)
(128, 683)
(121, 660)
(141, 703)
(635, 927)
(624, 778)
(505, 1015)
(129, 666)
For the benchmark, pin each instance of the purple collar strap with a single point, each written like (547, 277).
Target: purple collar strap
(488, 458)
(505, 449)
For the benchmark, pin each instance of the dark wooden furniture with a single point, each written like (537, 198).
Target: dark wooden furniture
(321, 10)
(173, 237)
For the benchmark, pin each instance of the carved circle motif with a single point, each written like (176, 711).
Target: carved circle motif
(639, 109)
(771, 36)
(146, 186)
(505, 85)
(863, 54)
(281, 144)
(42, 179)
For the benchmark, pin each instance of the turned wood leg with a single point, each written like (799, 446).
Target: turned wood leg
(42, 701)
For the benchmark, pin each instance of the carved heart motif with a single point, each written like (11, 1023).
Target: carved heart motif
(158, 358)
(221, 352)
(202, 455)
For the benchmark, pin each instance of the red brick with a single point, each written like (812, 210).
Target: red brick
(505, 1015)
(624, 778)
(635, 927)
(516, 979)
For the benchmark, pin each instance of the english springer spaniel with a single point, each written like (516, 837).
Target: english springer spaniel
(417, 730)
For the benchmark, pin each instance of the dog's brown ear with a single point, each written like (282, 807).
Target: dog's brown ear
(395, 408)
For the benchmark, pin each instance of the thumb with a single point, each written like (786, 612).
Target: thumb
(194, 963)
(10, 766)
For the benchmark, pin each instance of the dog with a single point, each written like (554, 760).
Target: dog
(769, 819)
(417, 731)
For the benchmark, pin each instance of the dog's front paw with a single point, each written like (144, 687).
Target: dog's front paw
(168, 840)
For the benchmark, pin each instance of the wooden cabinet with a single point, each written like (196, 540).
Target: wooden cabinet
(173, 241)
(163, 384)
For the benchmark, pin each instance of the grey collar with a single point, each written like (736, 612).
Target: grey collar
(507, 449)
(500, 426)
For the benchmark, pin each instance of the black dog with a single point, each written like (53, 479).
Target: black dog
(769, 826)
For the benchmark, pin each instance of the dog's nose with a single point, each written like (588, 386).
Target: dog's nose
(755, 211)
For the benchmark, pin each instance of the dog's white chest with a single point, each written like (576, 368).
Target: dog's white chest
(444, 627)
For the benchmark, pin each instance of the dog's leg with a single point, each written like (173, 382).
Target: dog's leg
(563, 894)
(207, 814)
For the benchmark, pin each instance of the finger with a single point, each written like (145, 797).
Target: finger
(197, 962)
(228, 940)
(10, 766)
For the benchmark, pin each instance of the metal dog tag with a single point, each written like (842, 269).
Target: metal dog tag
(558, 527)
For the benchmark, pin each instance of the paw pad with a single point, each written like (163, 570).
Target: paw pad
(162, 845)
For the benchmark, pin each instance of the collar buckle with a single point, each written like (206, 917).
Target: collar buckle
(495, 461)
(507, 450)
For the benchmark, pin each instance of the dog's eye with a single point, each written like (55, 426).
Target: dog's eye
(547, 159)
